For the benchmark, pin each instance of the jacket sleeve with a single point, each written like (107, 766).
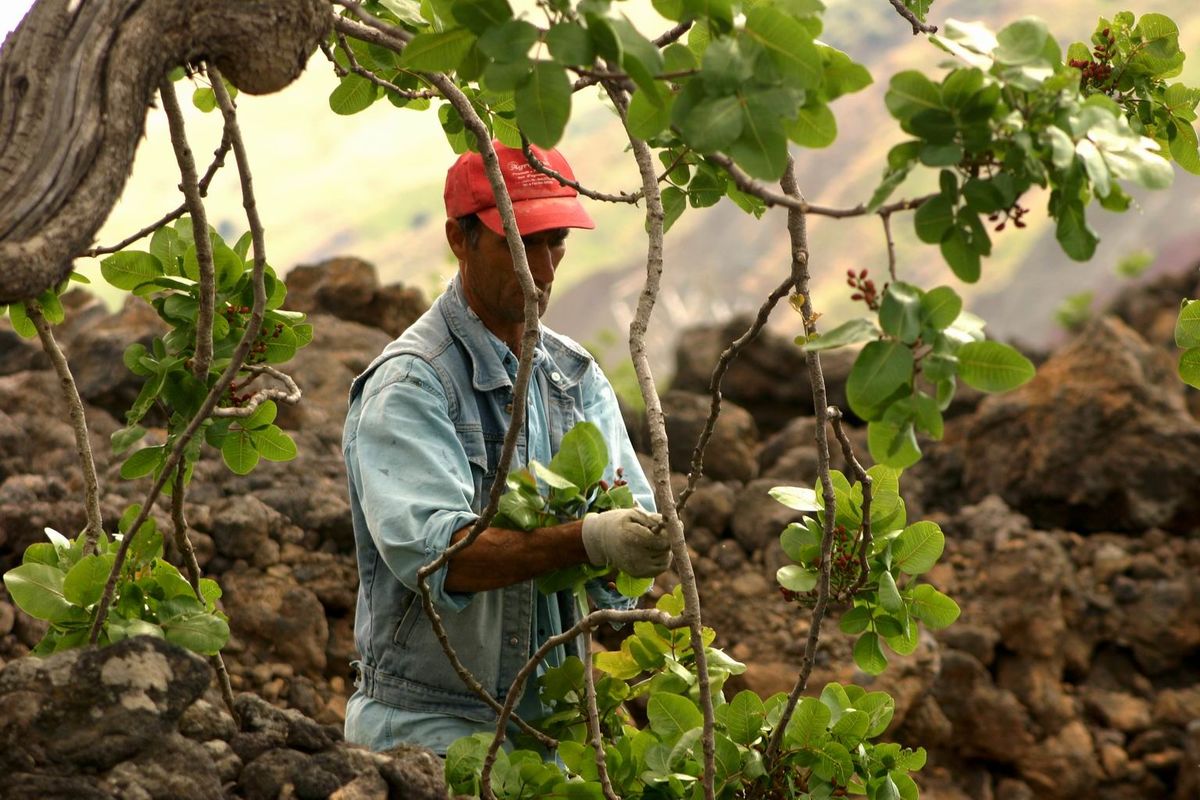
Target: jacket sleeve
(410, 473)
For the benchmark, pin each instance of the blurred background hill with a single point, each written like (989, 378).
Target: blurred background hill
(370, 186)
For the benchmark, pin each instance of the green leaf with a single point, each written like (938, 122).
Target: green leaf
(1077, 238)
(918, 548)
(1189, 367)
(788, 44)
(744, 717)
(633, 587)
(1187, 326)
(993, 367)
(909, 93)
(808, 724)
(480, 15)
(569, 43)
(640, 58)
(37, 589)
(933, 218)
(238, 452)
(889, 595)
(437, 51)
(851, 332)
(761, 149)
(1183, 146)
(868, 654)
(261, 417)
(671, 716)
(147, 544)
(272, 443)
(961, 255)
(354, 94)
(1021, 42)
(796, 578)
(893, 443)
(199, 632)
(712, 124)
(22, 324)
(940, 307)
(880, 370)
(645, 118)
(815, 126)
(582, 456)
(143, 462)
(899, 312)
(798, 498)
(932, 607)
(544, 103)
(127, 269)
(674, 202)
(84, 582)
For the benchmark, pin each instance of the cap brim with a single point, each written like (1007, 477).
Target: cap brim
(540, 214)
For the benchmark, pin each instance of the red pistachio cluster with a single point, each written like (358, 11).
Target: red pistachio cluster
(843, 572)
(864, 288)
(1098, 70)
(1012, 215)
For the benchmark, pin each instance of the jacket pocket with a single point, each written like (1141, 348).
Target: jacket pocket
(408, 618)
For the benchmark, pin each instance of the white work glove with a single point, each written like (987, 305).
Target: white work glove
(630, 539)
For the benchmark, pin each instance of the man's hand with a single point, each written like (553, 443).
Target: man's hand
(630, 539)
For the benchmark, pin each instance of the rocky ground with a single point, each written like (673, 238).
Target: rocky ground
(1072, 547)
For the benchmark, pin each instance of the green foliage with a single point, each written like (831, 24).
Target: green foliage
(58, 583)
(1075, 311)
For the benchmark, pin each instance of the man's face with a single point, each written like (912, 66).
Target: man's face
(488, 278)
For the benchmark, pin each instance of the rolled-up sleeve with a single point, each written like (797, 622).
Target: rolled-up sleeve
(411, 473)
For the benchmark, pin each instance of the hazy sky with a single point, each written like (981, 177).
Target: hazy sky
(11, 13)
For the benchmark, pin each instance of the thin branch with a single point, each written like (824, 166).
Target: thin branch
(368, 34)
(864, 536)
(593, 720)
(190, 186)
(529, 340)
(537, 164)
(917, 25)
(891, 243)
(217, 162)
(361, 71)
(773, 198)
(589, 623)
(236, 359)
(184, 545)
(673, 35)
(386, 28)
(798, 232)
(714, 386)
(658, 433)
(83, 445)
(291, 394)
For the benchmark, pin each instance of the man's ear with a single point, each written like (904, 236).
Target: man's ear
(456, 239)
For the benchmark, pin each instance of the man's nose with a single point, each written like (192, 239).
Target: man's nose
(541, 262)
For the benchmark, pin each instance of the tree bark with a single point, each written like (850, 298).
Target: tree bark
(76, 78)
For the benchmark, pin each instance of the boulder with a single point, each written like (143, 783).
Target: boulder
(757, 517)
(1062, 449)
(349, 288)
(276, 619)
(730, 453)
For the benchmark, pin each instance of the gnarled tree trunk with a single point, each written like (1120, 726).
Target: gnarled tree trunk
(75, 80)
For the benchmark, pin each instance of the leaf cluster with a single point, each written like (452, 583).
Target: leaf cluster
(58, 583)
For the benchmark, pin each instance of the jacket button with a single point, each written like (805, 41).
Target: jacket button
(556, 377)
(514, 641)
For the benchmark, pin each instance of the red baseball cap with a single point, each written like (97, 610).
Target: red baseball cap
(540, 201)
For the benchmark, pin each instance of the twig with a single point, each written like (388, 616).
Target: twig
(917, 25)
(368, 34)
(529, 339)
(537, 164)
(891, 243)
(592, 621)
(774, 198)
(593, 720)
(864, 538)
(798, 232)
(392, 31)
(184, 545)
(673, 34)
(290, 395)
(83, 445)
(236, 359)
(217, 162)
(714, 386)
(363, 72)
(190, 186)
(658, 433)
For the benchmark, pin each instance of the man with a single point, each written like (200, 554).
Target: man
(422, 443)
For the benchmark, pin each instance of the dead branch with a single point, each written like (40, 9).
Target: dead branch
(917, 25)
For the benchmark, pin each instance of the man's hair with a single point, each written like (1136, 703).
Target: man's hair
(470, 225)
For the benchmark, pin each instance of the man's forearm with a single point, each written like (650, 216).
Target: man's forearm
(500, 557)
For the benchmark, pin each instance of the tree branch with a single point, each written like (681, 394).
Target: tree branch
(83, 445)
(917, 25)
(593, 721)
(537, 164)
(363, 72)
(386, 28)
(864, 536)
(891, 243)
(658, 431)
(714, 386)
(798, 233)
(67, 136)
(368, 34)
(291, 394)
(190, 186)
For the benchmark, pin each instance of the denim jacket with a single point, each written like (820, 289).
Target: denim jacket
(422, 441)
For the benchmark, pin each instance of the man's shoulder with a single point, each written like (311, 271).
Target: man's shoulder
(569, 355)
